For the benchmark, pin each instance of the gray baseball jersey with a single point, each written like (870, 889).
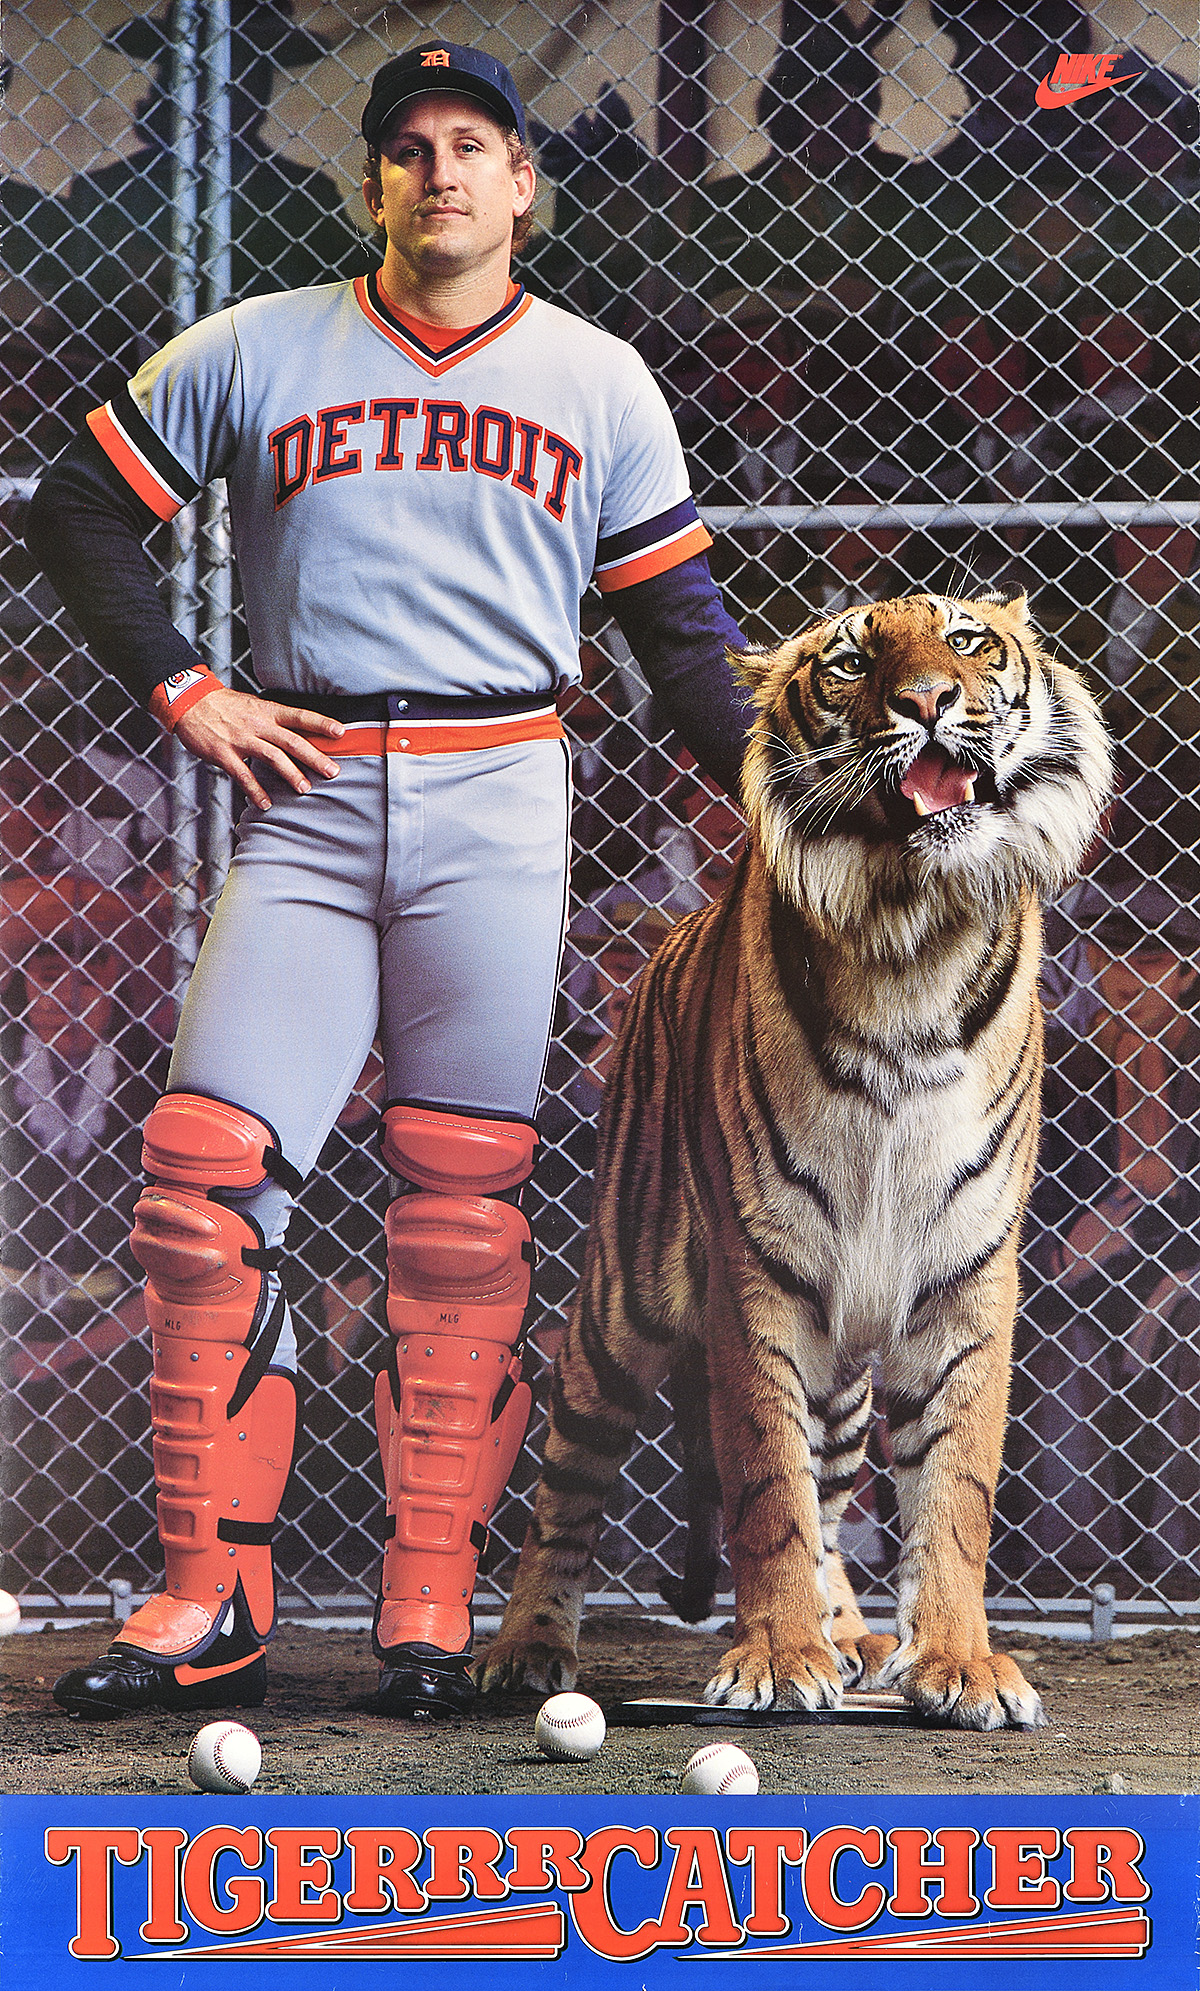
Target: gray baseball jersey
(406, 519)
(411, 525)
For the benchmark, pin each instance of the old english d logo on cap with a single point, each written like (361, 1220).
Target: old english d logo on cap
(437, 65)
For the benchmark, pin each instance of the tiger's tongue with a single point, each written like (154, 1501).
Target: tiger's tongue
(939, 782)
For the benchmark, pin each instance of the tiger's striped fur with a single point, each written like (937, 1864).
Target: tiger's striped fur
(818, 1138)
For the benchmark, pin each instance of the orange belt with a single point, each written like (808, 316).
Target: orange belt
(437, 736)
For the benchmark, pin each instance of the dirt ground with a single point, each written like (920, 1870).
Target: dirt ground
(1124, 1715)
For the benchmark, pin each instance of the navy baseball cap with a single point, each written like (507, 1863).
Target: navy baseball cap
(442, 65)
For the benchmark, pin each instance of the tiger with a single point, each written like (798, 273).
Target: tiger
(815, 1151)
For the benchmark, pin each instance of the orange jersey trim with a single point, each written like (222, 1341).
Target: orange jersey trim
(437, 337)
(131, 465)
(434, 737)
(407, 345)
(656, 560)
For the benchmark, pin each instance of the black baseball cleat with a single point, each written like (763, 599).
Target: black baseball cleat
(226, 1669)
(124, 1681)
(421, 1680)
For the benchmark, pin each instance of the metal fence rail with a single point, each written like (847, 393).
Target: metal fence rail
(915, 333)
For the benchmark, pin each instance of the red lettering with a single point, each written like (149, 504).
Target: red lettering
(371, 1873)
(697, 1879)
(952, 1873)
(296, 1876)
(162, 1924)
(570, 463)
(1019, 1856)
(537, 1850)
(391, 414)
(496, 460)
(819, 1875)
(200, 1881)
(766, 1917)
(591, 1910)
(523, 477)
(291, 446)
(446, 426)
(457, 1853)
(94, 1851)
(1113, 1854)
(333, 423)
(1081, 72)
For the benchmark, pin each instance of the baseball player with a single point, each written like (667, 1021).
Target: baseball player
(425, 469)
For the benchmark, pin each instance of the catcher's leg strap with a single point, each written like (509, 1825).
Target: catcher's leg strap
(451, 1407)
(223, 1419)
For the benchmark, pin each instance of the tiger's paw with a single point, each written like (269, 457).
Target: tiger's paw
(753, 1674)
(862, 1659)
(978, 1693)
(515, 1664)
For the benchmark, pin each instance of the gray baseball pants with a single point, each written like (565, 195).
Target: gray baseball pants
(418, 898)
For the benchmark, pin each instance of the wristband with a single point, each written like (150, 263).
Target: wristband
(178, 693)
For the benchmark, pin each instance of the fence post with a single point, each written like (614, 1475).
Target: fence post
(1104, 1599)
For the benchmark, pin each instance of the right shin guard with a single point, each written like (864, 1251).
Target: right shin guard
(451, 1407)
(224, 1422)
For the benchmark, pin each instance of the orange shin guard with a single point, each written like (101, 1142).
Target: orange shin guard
(451, 1408)
(224, 1428)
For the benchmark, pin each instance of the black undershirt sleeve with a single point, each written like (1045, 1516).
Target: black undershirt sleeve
(85, 529)
(678, 629)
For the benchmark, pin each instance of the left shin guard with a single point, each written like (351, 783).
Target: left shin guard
(223, 1419)
(451, 1408)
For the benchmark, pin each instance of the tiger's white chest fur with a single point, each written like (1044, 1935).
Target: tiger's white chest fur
(910, 1094)
(895, 1234)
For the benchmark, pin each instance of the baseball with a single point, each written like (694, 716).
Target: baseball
(225, 1757)
(10, 1614)
(720, 1771)
(569, 1727)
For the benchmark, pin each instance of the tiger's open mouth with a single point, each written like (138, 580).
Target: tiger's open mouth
(935, 782)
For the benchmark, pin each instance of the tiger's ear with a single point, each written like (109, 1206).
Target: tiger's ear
(1019, 606)
(751, 665)
(1015, 599)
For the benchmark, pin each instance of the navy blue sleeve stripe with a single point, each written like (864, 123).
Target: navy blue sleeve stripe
(619, 545)
(137, 429)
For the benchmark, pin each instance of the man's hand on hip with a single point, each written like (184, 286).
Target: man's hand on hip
(229, 729)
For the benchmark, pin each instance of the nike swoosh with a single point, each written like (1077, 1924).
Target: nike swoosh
(1051, 99)
(189, 1676)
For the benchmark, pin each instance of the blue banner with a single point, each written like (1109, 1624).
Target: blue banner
(860, 1894)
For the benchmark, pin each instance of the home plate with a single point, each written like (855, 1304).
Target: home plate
(881, 1709)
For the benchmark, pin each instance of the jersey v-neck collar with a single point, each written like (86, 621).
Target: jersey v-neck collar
(377, 314)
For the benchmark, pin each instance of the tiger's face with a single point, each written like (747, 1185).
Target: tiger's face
(924, 739)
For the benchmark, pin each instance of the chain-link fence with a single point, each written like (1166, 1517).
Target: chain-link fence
(917, 331)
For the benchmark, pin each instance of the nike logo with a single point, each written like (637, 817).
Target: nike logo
(189, 1676)
(1076, 76)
